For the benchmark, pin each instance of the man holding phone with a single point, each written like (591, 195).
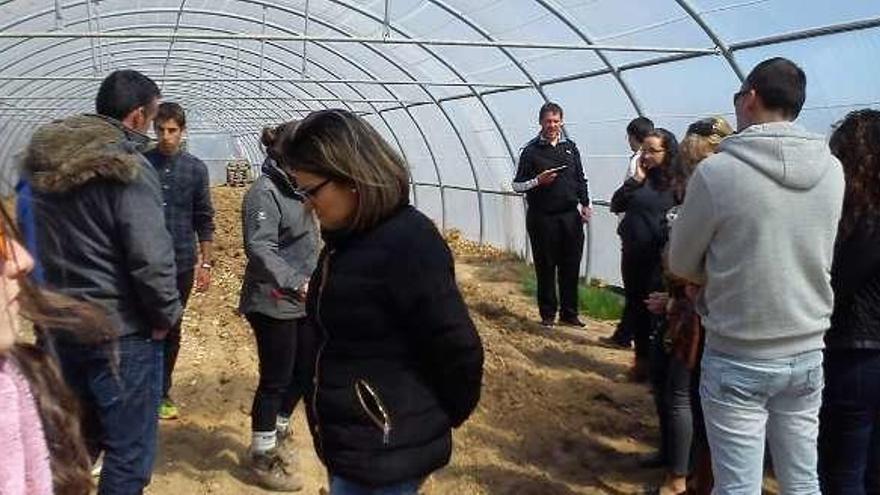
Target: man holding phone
(551, 175)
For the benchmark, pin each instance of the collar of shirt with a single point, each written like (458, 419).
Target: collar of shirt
(543, 140)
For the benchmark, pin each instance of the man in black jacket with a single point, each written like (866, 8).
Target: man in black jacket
(189, 216)
(102, 238)
(551, 175)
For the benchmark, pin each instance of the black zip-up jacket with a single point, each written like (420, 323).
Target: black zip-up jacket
(99, 222)
(399, 361)
(570, 186)
(855, 278)
(645, 204)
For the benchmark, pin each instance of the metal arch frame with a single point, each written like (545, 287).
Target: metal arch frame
(430, 95)
(627, 90)
(633, 67)
(209, 109)
(307, 92)
(355, 90)
(725, 50)
(347, 59)
(457, 73)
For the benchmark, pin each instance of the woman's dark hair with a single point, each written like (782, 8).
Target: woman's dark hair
(661, 176)
(57, 406)
(272, 137)
(856, 143)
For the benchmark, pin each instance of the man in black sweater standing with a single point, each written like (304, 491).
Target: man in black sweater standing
(551, 175)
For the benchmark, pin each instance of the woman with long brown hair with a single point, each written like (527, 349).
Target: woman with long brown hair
(396, 360)
(677, 353)
(43, 448)
(849, 422)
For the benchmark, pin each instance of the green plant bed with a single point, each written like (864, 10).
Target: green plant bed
(594, 300)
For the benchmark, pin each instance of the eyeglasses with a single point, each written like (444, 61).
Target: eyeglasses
(740, 94)
(652, 151)
(310, 192)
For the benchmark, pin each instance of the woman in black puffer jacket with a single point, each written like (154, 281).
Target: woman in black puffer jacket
(849, 432)
(396, 360)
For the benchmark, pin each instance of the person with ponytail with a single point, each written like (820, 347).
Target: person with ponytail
(281, 244)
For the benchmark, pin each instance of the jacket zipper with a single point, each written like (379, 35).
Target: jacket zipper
(325, 269)
(385, 423)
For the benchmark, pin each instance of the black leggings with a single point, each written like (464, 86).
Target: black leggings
(278, 390)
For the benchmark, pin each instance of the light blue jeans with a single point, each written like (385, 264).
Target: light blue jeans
(749, 401)
(342, 486)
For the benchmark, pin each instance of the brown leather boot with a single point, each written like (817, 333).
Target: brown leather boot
(271, 472)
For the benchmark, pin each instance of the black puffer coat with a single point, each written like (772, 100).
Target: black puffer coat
(396, 360)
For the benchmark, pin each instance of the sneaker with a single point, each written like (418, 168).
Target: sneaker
(168, 410)
(548, 322)
(271, 472)
(284, 447)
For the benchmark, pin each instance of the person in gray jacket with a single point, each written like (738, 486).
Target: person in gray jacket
(102, 239)
(757, 232)
(281, 243)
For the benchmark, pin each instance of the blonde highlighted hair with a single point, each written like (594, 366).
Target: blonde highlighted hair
(700, 141)
(344, 148)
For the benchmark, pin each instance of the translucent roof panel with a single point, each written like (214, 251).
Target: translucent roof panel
(455, 85)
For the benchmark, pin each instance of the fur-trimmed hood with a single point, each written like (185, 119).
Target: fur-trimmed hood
(68, 153)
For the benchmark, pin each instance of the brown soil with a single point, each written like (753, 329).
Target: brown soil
(556, 415)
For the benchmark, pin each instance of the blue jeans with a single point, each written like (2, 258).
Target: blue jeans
(746, 401)
(342, 486)
(849, 432)
(120, 406)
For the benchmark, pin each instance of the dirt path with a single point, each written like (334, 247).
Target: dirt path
(556, 416)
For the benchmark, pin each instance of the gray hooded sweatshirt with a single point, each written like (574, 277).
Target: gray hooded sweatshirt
(757, 229)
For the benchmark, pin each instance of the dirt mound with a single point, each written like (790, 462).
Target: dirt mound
(555, 417)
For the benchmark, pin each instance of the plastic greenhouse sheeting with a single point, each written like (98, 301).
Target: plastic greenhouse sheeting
(455, 85)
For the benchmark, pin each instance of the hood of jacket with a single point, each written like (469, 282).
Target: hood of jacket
(279, 177)
(784, 152)
(71, 152)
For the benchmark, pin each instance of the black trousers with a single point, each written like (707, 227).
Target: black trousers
(642, 274)
(172, 341)
(278, 391)
(557, 245)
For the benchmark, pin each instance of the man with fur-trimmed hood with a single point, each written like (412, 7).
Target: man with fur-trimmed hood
(101, 237)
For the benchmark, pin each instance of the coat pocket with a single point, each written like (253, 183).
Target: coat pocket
(371, 403)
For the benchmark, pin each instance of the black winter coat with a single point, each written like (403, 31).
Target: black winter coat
(396, 359)
(855, 277)
(645, 205)
(99, 222)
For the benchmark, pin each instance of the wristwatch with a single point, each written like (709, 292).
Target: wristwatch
(207, 266)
